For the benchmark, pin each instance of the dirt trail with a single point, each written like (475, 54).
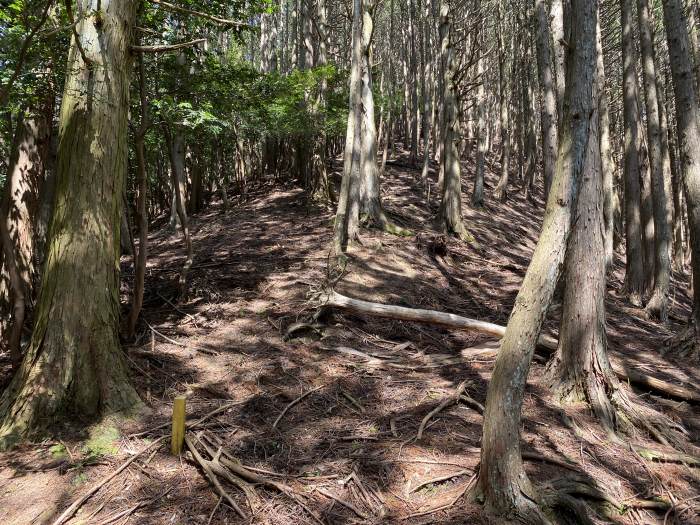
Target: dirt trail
(348, 447)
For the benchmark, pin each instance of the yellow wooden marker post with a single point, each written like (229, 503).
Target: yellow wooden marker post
(178, 433)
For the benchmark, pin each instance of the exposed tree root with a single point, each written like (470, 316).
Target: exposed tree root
(332, 299)
(500, 192)
(657, 307)
(564, 501)
(439, 480)
(595, 384)
(225, 465)
(670, 457)
(685, 344)
(381, 221)
(211, 475)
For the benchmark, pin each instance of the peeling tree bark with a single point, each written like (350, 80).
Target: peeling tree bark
(74, 362)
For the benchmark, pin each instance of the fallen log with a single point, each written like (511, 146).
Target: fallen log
(545, 343)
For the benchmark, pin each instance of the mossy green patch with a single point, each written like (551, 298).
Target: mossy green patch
(102, 441)
(58, 451)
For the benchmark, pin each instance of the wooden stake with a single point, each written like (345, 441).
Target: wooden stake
(178, 433)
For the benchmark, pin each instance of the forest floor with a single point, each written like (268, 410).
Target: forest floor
(348, 449)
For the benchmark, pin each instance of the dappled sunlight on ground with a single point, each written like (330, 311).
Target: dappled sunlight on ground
(376, 379)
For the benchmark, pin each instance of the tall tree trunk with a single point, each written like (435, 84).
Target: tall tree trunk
(559, 40)
(500, 192)
(669, 170)
(478, 193)
(347, 214)
(607, 164)
(74, 362)
(634, 276)
(688, 120)
(19, 223)
(450, 214)
(370, 198)
(548, 104)
(427, 92)
(658, 302)
(413, 86)
(503, 483)
(177, 164)
(141, 256)
(321, 188)
(580, 370)
(530, 129)
(647, 208)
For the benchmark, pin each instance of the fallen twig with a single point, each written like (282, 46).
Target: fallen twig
(194, 425)
(439, 480)
(354, 401)
(333, 299)
(473, 403)
(343, 502)
(206, 467)
(175, 307)
(445, 402)
(133, 508)
(232, 464)
(183, 345)
(290, 405)
(213, 511)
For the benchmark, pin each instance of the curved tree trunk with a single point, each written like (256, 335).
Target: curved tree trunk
(503, 483)
(74, 362)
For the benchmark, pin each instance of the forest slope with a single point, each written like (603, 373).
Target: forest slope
(353, 438)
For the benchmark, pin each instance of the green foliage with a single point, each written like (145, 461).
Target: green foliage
(228, 95)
